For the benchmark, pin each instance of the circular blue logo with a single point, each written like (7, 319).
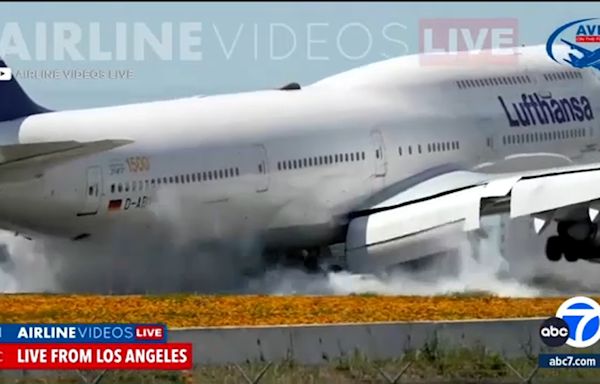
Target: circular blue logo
(580, 44)
(582, 316)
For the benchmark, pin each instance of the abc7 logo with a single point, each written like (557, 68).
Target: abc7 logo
(554, 332)
(577, 324)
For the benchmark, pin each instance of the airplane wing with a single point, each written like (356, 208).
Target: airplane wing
(577, 47)
(460, 199)
(22, 161)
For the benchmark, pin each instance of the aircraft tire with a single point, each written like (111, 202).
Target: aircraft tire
(554, 248)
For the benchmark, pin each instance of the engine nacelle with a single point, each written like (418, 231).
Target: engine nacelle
(371, 247)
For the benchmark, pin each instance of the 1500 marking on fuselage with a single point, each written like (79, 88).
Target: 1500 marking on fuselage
(138, 164)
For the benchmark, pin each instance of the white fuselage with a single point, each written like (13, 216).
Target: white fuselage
(291, 165)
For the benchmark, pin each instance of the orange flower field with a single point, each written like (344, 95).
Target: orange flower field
(214, 311)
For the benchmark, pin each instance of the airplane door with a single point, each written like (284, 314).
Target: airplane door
(262, 168)
(92, 191)
(379, 153)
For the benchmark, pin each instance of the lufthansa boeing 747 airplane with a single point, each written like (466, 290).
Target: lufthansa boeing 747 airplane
(387, 158)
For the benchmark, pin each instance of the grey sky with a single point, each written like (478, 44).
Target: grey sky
(239, 42)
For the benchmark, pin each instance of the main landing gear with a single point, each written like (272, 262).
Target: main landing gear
(310, 260)
(575, 241)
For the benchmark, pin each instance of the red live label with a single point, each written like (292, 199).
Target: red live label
(172, 356)
(468, 41)
(149, 332)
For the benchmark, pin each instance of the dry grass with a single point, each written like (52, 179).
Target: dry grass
(211, 311)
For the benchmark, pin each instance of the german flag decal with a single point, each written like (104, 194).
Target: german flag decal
(114, 205)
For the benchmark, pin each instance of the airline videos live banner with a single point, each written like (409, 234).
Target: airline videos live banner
(91, 346)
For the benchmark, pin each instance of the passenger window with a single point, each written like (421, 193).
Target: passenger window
(326, 159)
(400, 151)
(226, 172)
(305, 161)
(363, 155)
(331, 158)
(237, 171)
(221, 171)
(352, 157)
(152, 183)
(346, 156)
(376, 154)
(112, 188)
(193, 177)
(177, 179)
(127, 186)
(90, 190)
(410, 150)
(158, 181)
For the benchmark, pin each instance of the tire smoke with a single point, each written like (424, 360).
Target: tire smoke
(508, 262)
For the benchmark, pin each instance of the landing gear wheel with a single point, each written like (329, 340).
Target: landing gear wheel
(572, 255)
(311, 263)
(573, 251)
(554, 248)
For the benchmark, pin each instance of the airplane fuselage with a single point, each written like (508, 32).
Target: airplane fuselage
(290, 165)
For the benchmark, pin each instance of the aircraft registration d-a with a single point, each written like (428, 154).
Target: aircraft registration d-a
(389, 158)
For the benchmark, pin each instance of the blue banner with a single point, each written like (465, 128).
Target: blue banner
(83, 333)
(569, 360)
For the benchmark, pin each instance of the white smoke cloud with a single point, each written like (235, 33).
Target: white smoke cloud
(154, 262)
